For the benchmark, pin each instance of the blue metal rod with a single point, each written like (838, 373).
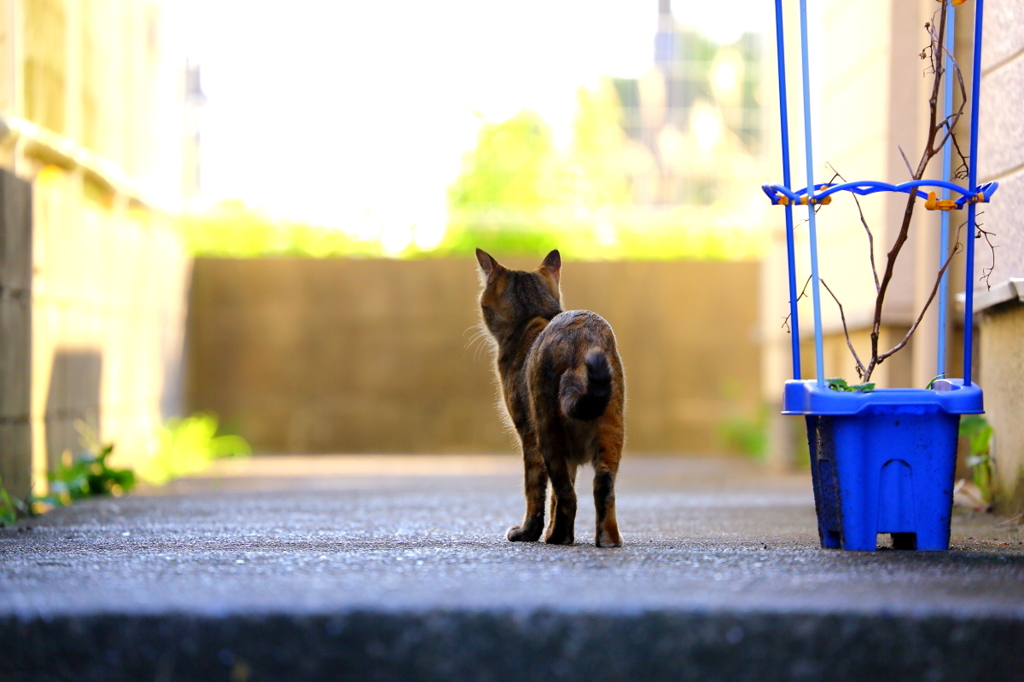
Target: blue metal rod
(794, 319)
(819, 359)
(947, 157)
(972, 182)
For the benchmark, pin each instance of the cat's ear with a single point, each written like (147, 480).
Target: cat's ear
(553, 264)
(488, 266)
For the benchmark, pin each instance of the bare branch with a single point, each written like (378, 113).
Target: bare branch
(906, 161)
(846, 331)
(963, 171)
(957, 248)
(803, 292)
(864, 222)
(986, 273)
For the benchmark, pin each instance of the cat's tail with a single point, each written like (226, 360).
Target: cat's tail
(584, 392)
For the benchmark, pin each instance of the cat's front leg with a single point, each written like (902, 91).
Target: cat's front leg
(535, 486)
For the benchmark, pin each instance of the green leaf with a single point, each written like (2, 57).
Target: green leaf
(838, 384)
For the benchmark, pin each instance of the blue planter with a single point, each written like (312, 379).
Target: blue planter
(883, 461)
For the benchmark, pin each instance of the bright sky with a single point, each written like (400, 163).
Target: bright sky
(356, 113)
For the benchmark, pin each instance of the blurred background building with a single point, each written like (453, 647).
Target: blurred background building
(94, 157)
(697, 113)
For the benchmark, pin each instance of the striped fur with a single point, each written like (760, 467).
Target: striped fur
(564, 391)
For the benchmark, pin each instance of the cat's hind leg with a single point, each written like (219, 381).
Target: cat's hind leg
(535, 487)
(606, 466)
(562, 473)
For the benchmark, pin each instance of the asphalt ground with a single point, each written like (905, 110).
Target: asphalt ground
(396, 567)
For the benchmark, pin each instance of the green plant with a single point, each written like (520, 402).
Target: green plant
(11, 508)
(978, 433)
(86, 474)
(837, 384)
(186, 446)
(747, 435)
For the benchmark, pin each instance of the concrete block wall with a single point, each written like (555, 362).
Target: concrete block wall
(92, 312)
(1001, 158)
(108, 304)
(15, 334)
(341, 355)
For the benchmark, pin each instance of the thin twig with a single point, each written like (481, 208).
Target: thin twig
(906, 161)
(963, 170)
(846, 331)
(867, 229)
(957, 248)
(986, 273)
(803, 292)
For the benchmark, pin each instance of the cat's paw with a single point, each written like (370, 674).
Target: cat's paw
(525, 533)
(558, 536)
(608, 539)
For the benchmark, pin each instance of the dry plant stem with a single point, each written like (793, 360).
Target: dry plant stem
(957, 248)
(803, 293)
(987, 272)
(930, 151)
(846, 331)
(867, 230)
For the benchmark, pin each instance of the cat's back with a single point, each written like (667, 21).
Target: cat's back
(577, 322)
(572, 332)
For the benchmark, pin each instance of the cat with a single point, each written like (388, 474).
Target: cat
(563, 388)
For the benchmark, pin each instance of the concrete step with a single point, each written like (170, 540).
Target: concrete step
(397, 569)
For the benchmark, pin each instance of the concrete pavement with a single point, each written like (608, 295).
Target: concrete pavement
(396, 568)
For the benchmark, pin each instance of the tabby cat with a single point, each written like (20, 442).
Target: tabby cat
(564, 392)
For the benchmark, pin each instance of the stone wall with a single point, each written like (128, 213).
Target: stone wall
(15, 334)
(336, 355)
(93, 312)
(1001, 158)
(108, 305)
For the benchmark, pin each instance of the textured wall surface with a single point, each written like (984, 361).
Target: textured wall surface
(108, 314)
(1001, 158)
(1002, 378)
(377, 356)
(1001, 136)
(15, 334)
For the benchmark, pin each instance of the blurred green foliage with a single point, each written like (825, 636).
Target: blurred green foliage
(231, 230)
(746, 435)
(187, 446)
(518, 193)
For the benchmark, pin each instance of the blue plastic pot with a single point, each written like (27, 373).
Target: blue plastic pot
(883, 461)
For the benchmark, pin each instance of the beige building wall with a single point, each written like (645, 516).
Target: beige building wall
(108, 312)
(92, 105)
(1001, 308)
(339, 355)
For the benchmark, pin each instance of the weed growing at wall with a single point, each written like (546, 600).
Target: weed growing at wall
(978, 433)
(87, 474)
(184, 446)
